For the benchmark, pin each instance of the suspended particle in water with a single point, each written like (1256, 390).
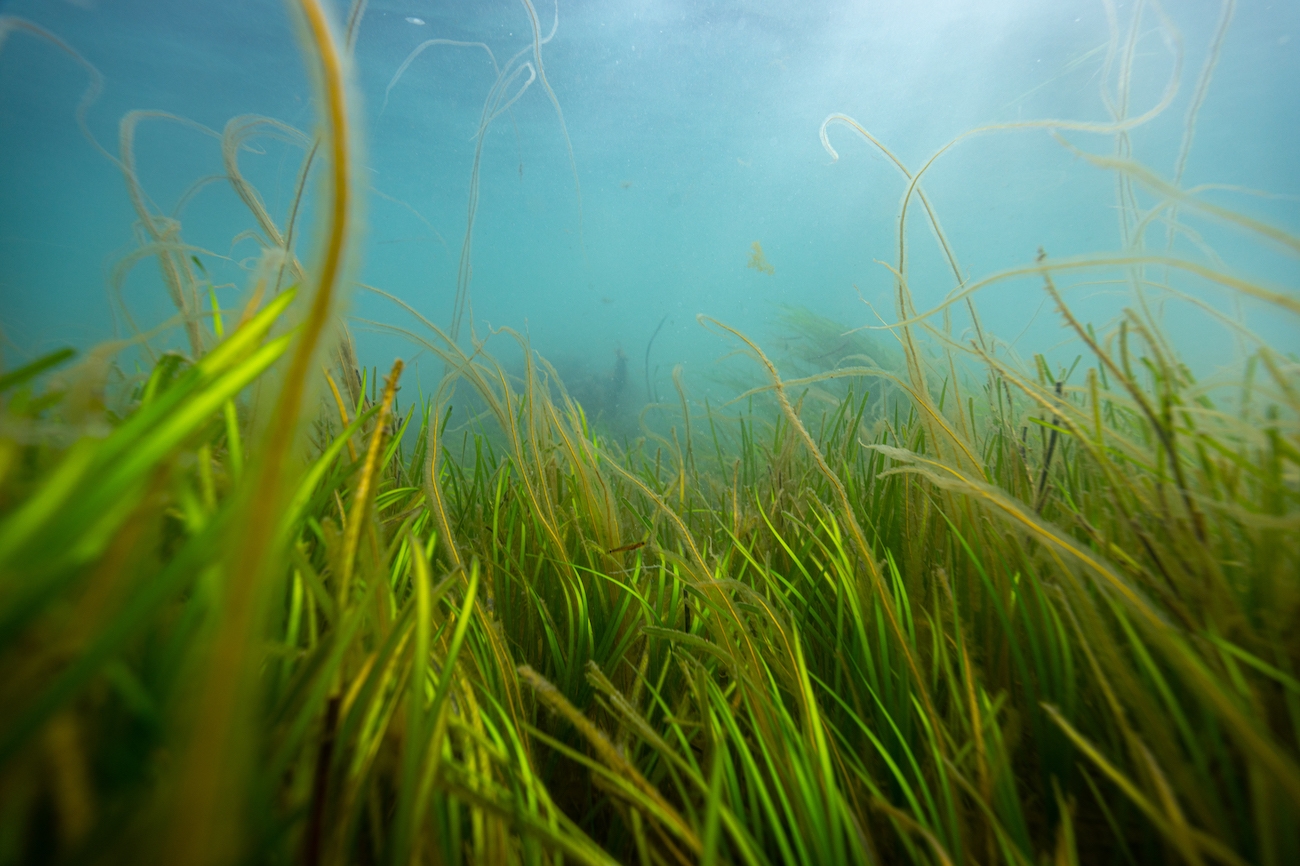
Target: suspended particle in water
(758, 261)
(418, 22)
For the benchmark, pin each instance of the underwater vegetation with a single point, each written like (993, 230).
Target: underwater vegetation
(905, 599)
(604, 395)
(757, 261)
(505, 92)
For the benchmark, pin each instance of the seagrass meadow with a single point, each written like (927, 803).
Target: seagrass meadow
(900, 596)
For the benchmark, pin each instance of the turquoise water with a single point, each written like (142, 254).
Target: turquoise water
(694, 133)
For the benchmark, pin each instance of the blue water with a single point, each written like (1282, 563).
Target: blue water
(694, 133)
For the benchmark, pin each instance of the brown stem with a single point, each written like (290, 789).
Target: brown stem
(311, 843)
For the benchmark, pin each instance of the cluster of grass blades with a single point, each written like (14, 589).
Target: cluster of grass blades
(516, 642)
(1007, 615)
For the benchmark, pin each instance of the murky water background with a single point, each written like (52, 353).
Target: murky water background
(694, 133)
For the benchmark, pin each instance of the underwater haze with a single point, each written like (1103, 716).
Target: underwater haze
(673, 137)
